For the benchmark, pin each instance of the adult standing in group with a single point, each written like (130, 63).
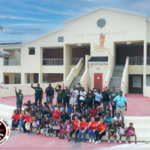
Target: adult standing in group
(121, 102)
(79, 88)
(49, 94)
(98, 98)
(59, 94)
(38, 93)
(112, 95)
(19, 98)
(66, 96)
(82, 97)
(74, 95)
(105, 94)
(101, 131)
(89, 98)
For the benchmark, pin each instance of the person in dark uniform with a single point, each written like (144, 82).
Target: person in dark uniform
(66, 96)
(49, 94)
(79, 88)
(38, 93)
(59, 95)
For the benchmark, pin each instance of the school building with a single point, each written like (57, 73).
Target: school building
(103, 47)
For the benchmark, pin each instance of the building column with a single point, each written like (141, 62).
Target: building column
(1, 67)
(90, 76)
(22, 78)
(145, 59)
(41, 65)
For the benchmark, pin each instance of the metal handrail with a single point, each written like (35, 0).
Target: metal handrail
(53, 61)
(139, 60)
(12, 62)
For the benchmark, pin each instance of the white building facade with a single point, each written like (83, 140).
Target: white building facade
(97, 48)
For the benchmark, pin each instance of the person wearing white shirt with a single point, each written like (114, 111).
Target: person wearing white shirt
(118, 120)
(74, 94)
(82, 97)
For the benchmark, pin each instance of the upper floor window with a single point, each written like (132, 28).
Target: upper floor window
(60, 39)
(32, 51)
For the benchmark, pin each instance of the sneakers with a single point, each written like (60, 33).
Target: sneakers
(31, 133)
(90, 140)
(43, 134)
(135, 142)
(34, 133)
(108, 141)
(69, 140)
(119, 141)
(129, 142)
(47, 134)
(96, 142)
(99, 141)
(38, 133)
(114, 141)
(54, 135)
(93, 141)
(60, 137)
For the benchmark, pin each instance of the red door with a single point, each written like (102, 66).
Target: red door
(98, 79)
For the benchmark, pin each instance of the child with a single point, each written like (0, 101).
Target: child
(46, 128)
(52, 107)
(122, 131)
(51, 128)
(34, 107)
(39, 116)
(62, 129)
(61, 109)
(118, 120)
(100, 111)
(68, 128)
(130, 132)
(35, 124)
(108, 119)
(28, 104)
(93, 111)
(112, 132)
(21, 119)
(58, 127)
(108, 111)
(69, 109)
(85, 110)
(97, 118)
(49, 115)
(54, 128)
(88, 118)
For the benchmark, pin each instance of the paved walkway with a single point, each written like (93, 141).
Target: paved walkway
(138, 105)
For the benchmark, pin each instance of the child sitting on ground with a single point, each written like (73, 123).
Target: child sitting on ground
(54, 128)
(130, 132)
(46, 128)
(107, 119)
(28, 104)
(35, 125)
(112, 132)
(122, 131)
(68, 128)
(51, 127)
(108, 111)
(62, 129)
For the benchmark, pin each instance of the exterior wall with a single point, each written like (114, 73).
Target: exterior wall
(1, 67)
(11, 77)
(138, 69)
(103, 69)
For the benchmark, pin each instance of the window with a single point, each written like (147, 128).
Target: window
(137, 80)
(32, 51)
(60, 39)
(148, 80)
(28, 77)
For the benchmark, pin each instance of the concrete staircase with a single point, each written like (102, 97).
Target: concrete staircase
(141, 124)
(116, 78)
(76, 80)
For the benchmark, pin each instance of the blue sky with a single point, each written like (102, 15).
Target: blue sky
(23, 20)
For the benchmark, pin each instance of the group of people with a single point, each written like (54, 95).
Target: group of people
(76, 111)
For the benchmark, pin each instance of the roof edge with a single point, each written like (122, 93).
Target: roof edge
(54, 31)
(107, 8)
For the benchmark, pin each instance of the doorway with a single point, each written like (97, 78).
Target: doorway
(136, 84)
(98, 79)
(6, 79)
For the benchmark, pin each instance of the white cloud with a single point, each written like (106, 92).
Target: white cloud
(22, 18)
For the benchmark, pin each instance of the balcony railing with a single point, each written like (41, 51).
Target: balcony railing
(12, 62)
(51, 62)
(74, 61)
(138, 60)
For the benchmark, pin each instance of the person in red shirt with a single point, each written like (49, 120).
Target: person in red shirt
(101, 131)
(15, 119)
(93, 111)
(92, 128)
(83, 130)
(75, 130)
(29, 119)
(56, 114)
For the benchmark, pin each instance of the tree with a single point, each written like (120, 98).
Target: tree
(1, 28)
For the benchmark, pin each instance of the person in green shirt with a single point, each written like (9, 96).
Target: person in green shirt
(66, 96)
(59, 94)
(107, 111)
(19, 98)
(112, 95)
(112, 132)
(38, 93)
